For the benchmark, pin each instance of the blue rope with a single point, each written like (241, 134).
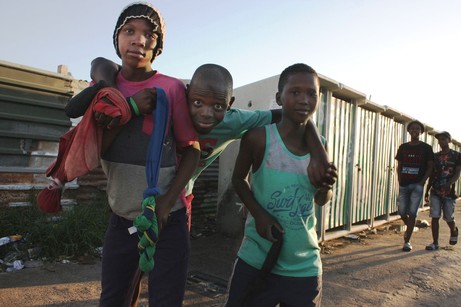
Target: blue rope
(154, 151)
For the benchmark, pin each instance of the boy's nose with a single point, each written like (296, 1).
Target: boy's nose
(139, 40)
(206, 112)
(304, 99)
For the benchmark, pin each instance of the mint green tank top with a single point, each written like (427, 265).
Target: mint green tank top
(281, 186)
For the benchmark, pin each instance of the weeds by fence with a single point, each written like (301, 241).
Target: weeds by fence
(69, 234)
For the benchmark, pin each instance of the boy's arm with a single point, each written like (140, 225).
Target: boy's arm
(103, 73)
(78, 104)
(399, 170)
(450, 186)
(457, 171)
(429, 169)
(321, 172)
(455, 175)
(251, 145)
(432, 176)
(324, 193)
(276, 115)
(187, 146)
(322, 197)
(105, 70)
(429, 186)
(189, 159)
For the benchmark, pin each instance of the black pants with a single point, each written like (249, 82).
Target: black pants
(167, 281)
(283, 290)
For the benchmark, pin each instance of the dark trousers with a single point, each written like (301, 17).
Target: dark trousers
(167, 281)
(283, 290)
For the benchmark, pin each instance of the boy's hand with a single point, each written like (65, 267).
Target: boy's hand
(445, 189)
(106, 121)
(322, 176)
(162, 209)
(146, 100)
(322, 196)
(264, 224)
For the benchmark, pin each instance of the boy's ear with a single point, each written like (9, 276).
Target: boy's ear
(277, 99)
(231, 101)
(187, 92)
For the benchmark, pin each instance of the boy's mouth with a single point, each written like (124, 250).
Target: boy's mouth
(302, 111)
(136, 53)
(204, 127)
(205, 124)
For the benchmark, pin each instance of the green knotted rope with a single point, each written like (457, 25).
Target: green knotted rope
(147, 226)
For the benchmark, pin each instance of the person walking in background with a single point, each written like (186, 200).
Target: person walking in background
(447, 167)
(415, 162)
(280, 200)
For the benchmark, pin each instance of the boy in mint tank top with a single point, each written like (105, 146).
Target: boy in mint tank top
(280, 198)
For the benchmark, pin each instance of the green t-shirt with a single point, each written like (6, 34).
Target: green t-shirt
(236, 122)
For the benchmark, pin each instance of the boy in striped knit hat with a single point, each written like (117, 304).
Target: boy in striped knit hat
(138, 40)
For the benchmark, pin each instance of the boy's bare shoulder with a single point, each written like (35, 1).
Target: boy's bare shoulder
(255, 132)
(255, 136)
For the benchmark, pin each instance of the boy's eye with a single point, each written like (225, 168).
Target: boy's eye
(151, 35)
(197, 103)
(218, 107)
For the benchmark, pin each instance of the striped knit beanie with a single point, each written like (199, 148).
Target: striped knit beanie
(142, 10)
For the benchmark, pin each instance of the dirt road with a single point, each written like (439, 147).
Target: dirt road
(371, 271)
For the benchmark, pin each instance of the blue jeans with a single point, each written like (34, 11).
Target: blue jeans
(410, 197)
(167, 280)
(445, 204)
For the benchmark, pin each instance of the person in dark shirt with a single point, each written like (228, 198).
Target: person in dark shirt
(447, 166)
(415, 161)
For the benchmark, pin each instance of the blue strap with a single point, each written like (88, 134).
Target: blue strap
(154, 151)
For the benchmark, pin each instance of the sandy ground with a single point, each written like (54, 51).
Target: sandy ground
(370, 271)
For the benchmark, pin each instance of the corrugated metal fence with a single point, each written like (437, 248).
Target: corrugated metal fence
(31, 113)
(31, 122)
(362, 140)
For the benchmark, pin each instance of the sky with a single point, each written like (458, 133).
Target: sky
(404, 54)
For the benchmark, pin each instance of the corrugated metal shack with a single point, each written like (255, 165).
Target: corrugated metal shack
(31, 122)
